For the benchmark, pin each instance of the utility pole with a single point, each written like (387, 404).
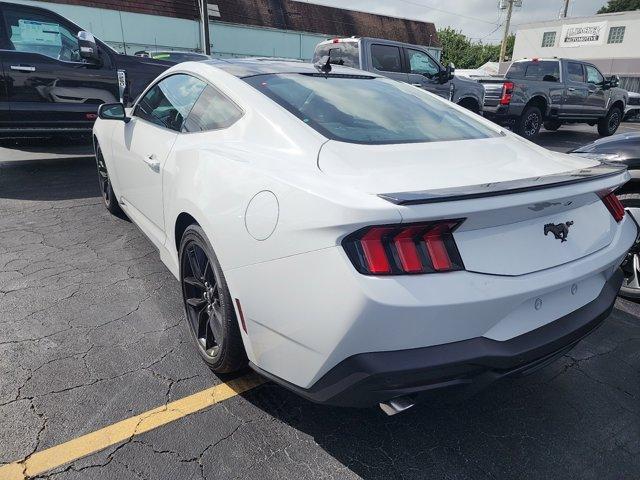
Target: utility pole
(566, 8)
(204, 24)
(507, 23)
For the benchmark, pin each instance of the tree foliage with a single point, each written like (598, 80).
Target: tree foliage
(463, 53)
(620, 6)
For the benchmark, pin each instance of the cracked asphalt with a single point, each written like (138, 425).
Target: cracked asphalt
(92, 332)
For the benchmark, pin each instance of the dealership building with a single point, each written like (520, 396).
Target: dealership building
(269, 28)
(611, 41)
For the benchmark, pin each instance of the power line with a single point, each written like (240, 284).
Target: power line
(447, 12)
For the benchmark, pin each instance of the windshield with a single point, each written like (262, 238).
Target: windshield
(369, 110)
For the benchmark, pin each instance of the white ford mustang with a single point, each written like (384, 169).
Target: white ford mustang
(356, 239)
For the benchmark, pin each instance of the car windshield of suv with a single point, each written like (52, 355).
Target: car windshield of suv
(369, 110)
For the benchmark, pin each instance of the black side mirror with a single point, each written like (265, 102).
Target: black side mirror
(613, 81)
(113, 111)
(448, 73)
(88, 47)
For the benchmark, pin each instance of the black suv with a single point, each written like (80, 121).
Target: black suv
(53, 75)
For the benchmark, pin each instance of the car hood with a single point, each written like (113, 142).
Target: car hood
(414, 167)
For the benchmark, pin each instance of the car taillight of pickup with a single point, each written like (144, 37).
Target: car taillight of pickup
(552, 92)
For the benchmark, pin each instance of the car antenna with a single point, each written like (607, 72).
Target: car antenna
(324, 66)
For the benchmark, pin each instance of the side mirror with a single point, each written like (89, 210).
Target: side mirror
(448, 73)
(113, 111)
(613, 81)
(88, 47)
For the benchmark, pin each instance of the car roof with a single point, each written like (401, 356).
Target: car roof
(249, 67)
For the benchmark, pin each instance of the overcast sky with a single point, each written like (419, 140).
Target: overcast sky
(479, 19)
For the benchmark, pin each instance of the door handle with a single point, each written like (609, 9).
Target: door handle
(23, 68)
(571, 89)
(152, 163)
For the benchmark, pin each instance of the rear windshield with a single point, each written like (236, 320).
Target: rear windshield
(547, 70)
(369, 110)
(342, 53)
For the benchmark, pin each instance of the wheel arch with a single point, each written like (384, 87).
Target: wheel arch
(618, 103)
(539, 101)
(470, 103)
(183, 221)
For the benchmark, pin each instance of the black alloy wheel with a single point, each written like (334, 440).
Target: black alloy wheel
(529, 123)
(208, 306)
(106, 190)
(609, 124)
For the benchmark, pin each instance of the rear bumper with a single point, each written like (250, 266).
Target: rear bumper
(502, 114)
(467, 366)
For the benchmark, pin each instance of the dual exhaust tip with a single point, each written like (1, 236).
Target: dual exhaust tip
(396, 405)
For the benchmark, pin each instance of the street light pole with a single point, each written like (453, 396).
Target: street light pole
(503, 47)
(204, 24)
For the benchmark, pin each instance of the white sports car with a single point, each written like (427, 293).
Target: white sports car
(356, 239)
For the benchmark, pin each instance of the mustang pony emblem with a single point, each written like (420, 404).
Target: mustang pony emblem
(559, 230)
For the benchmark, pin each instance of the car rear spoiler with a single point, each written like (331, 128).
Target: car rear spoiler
(596, 172)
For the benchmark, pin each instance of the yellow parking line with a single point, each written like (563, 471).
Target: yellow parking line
(41, 462)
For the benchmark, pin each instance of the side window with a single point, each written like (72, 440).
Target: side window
(575, 72)
(386, 58)
(212, 111)
(616, 35)
(169, 102)
(593, 75)
(420, 62)
(37, 32)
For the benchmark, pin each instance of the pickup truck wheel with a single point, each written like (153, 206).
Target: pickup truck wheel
(529, 123)
(610, 123)
(108, 197)
(631, 286)
(552, 125)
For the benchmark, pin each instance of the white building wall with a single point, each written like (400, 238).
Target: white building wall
(528, 42)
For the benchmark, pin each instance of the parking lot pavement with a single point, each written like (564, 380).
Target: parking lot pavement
(92, 334)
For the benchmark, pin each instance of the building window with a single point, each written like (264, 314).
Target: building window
(616, 35)
(549, 39)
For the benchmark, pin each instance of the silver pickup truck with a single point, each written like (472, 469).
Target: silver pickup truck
(552, 92)
(404, 62)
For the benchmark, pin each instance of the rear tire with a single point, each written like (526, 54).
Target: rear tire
(609, 124)
(552, 125)
(529, 123)
(208, 305)
(631, 286)
(108, 196)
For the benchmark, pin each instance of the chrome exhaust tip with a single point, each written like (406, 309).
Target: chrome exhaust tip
(396, 405)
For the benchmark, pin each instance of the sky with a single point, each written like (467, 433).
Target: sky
(478, 19)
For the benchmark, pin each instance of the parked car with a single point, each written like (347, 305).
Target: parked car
(632, 112)
(53, 75)
(623, 148)
(319, 236)
(552, 92)
(404, 62)
(173, 56)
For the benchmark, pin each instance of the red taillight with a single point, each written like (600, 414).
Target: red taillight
(336, 40)
(614, 206)
(507, 90)
(405, 249)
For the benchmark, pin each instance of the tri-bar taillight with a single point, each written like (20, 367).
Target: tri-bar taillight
(507, 91)
(415, 248)
(614, 205)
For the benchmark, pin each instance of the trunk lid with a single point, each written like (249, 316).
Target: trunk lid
(503, 232)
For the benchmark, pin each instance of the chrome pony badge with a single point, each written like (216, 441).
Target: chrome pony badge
(559, 230)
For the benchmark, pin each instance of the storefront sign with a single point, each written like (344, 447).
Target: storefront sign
(579, 34)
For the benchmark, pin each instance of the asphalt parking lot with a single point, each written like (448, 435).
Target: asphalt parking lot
(92, 336)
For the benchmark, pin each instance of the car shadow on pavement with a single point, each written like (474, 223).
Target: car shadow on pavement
(565, 140)
(567, 420)
(49, 180)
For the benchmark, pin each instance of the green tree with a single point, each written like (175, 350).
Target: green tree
(620, 6)
(463, 53)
